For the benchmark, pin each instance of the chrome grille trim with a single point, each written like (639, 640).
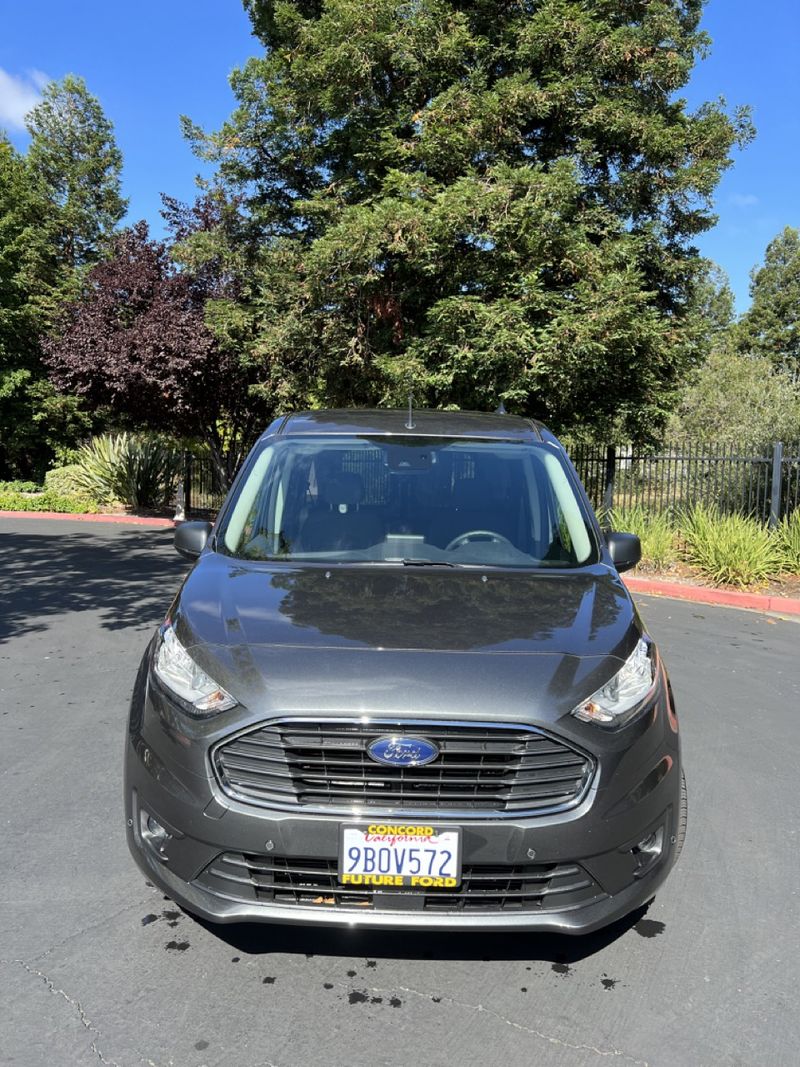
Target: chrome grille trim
(486, 770)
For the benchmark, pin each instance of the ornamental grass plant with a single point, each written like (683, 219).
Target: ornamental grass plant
(141, 471)
(654, 529)
(788, 537)
(730, 549)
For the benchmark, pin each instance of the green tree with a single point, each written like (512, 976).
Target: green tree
(59, 205)
(486, 200)
(19, 249)
(771, 327)
(739, 399)
(23, 281)
(714, 303)
(76, 166)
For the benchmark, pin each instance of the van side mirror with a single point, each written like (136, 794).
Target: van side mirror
(190, 538)
(625, 550)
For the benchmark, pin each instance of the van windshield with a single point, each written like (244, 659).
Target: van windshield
(411, 501)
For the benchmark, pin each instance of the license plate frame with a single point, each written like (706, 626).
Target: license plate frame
(443, 839)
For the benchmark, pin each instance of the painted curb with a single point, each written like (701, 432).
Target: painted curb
(133, 520)
(724, 597)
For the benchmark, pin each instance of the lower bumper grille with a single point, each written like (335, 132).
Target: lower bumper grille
(485, 888)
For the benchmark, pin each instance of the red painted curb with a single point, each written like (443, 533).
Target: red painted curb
(703, 595)
(134, 520)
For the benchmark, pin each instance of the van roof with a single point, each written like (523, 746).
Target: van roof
(426, 423)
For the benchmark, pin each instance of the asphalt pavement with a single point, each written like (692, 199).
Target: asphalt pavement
(96, 966)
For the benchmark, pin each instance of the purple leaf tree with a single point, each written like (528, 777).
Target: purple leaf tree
(137, 343)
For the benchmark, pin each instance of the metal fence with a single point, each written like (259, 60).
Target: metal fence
(763, 483)
(202, 489)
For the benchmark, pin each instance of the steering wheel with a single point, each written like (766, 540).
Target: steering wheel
(473, 535)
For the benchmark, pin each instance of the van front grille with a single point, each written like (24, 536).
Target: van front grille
(481, 770)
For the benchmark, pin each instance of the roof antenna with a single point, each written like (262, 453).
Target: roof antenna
(500, 409)
(410, 423)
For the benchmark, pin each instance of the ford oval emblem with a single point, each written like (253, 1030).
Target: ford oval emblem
(403, 751)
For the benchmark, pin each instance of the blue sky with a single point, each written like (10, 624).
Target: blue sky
(150, 62)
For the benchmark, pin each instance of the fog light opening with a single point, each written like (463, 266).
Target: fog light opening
(648, 851)
(154, 835)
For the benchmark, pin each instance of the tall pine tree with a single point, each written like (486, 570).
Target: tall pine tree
(59, 206)
(76, 166)
(485, 200)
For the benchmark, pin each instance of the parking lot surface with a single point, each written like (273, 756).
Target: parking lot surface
(98, 967)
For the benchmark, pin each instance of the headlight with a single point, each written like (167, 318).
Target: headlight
(619, 700)
(178, 672)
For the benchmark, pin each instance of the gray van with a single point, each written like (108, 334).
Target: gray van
(403, 685)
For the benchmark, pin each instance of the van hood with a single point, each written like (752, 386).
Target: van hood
(583, 612)
(307, 639)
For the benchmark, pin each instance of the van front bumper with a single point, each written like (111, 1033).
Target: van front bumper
(572, 872)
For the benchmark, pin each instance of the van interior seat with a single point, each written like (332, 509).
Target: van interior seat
(338, 522)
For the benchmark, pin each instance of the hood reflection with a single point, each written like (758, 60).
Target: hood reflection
(579, 613)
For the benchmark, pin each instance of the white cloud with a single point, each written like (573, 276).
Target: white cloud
(18, 95)
(39, 78)
(743, 200)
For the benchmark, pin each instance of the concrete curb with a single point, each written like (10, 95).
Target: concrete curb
(133, 520)
(731, 598)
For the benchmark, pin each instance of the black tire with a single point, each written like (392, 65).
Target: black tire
(683, 816)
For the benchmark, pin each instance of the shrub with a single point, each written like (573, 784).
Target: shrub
(67, 481)
(66, 455)
(47, 501)
(739, 398)
(141, 471)
(653, 528)
(19, 486)
(730, 549)
(788, 537)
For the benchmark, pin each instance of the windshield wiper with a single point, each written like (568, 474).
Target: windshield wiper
(412, 562)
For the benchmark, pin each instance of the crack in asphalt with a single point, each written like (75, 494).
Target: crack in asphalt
(87, 929)
(611, 1052)
(84, 1018)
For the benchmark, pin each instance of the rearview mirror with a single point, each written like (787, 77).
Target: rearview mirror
(190, 538)
(625, 550)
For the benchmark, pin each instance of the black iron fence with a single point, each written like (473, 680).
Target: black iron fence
(763, 483)
(202, 490)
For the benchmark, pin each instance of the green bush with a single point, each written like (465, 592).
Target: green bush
(65, 455)
(788, 537)
(738, 399)
(138, 470)
(653, 528)
(47, 501)
(67, 481)
(20, 487)
(730, 549)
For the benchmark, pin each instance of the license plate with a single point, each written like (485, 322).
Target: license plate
(400, 854)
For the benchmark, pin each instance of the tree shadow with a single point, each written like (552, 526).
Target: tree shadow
(125, 576)
(561, 949)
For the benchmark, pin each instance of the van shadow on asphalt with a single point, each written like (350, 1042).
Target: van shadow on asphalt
(126, 576)
(560, 949)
